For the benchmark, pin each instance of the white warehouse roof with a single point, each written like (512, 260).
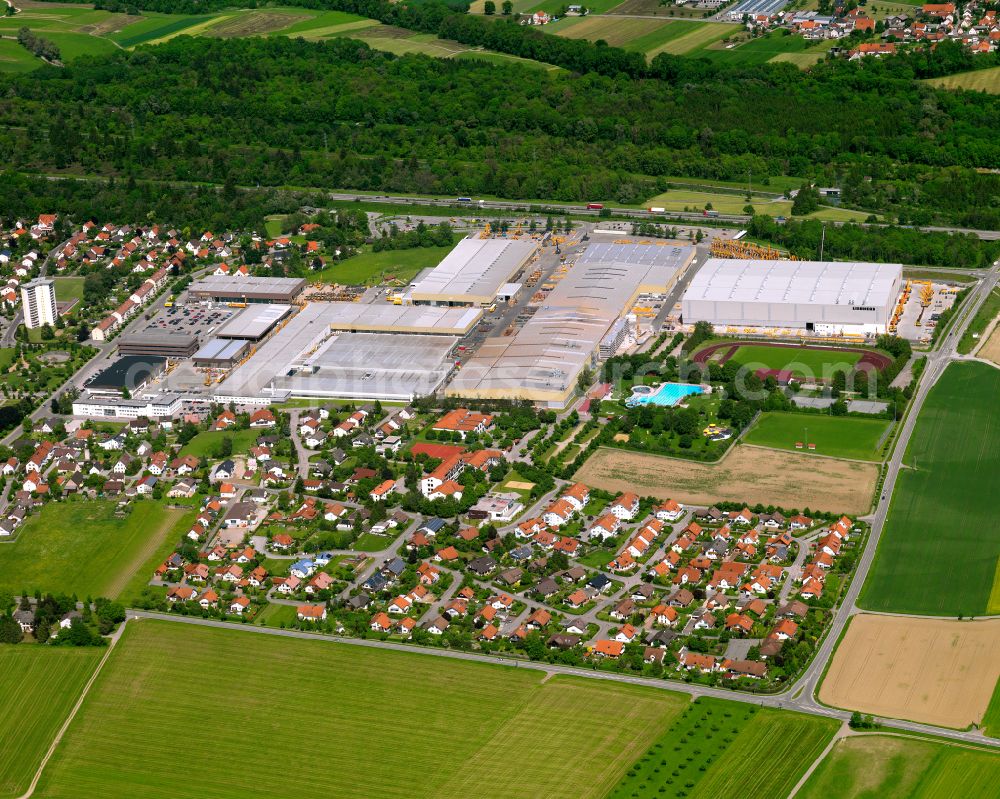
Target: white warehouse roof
(814, 282)
(825, 296)
(474, 271)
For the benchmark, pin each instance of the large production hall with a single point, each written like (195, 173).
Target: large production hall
(830, 298)
(578, 321)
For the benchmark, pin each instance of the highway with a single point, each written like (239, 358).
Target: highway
(523, 207)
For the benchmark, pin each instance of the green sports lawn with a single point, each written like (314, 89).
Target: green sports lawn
(937, 554)
(37, 691)
(900, 767)
(837, 436)
(188, 711)
(719, 748)
(81, 547)
(800, 360)
(370, 268)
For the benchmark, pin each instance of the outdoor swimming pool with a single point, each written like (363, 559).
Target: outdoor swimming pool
(666, 394)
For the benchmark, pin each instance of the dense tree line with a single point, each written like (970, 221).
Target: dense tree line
(884, 244)
(288, 112)
(137, 202)
(37, 45)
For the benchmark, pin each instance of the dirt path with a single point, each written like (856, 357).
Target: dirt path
(152, 543)
(72, 714)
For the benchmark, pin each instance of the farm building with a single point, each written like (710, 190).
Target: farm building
(473, 273)
(542, 361)
(817, 297)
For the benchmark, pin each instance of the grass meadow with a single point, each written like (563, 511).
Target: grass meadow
(340, 714)
(370, 268)
(721, 748)
(980, 80)
(936, 554)
(900, 767)
(837, 436)
(81, 547)
(206, 444)
(39, 688)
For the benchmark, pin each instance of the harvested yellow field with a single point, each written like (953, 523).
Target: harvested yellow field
(745, 474)
(991, 347)
(934, 671)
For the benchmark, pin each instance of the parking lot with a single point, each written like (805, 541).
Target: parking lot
(198, 320)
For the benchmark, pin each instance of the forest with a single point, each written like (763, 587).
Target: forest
(279, 112)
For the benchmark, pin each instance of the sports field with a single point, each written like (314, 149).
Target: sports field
(745, 474)
(837, 436)
(706, 753)
(83, 548)
(981, 80)
(764, 49)
(902, 767)
(936, 554)
(355, 722)
(803, 362)
(38, 688)
(935, 671)
(370, 268)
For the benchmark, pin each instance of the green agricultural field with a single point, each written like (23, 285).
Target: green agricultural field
(311, 26)
(697, 38)
(206, 444)
(836, 436)
(899, 767)
(936, 554)
(760, 50)
(618, 31)
(154, 26)
(721, 748)
(40, 685)
(74, 45)
(723, 202)
(14, 58)
(800, 360)
(991, 720)
(81, 547)
(127, 743)
(981, 80)
(370, 268)
(987, 312)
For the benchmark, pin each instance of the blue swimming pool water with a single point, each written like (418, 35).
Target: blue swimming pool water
(668, 394)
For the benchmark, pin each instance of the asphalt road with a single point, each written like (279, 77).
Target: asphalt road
(631, 213)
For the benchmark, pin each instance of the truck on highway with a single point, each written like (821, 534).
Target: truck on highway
(595, 206)
(656, 210)
(710, 213)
